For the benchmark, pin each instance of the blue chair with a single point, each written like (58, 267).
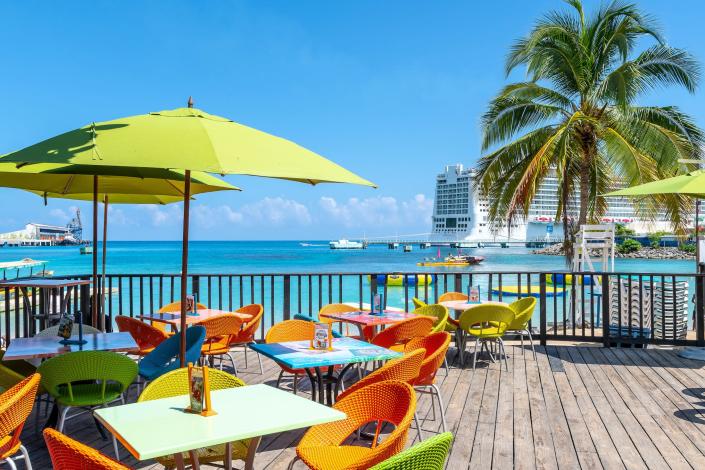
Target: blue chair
(165, 357)
(302, 316)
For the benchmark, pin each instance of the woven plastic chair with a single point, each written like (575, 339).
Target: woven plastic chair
(165, 357)
(146, 336)
(435, 346)
(15, 406)
(322, 447)
(13, 372)
(176, 383)
(246, 335)
(330, 309)
(418, 303)
(439, 314)
(397, 335)
(54, 330)
(304, 317)
(68, 454)
(449, 296)
(219, 331)
(523, 311)
(486, 323)
(87, 379)
(174, 307)
(430, 454)
(402, 369)
(290, 330)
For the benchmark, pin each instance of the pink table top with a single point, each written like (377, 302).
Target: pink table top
(464, 304)
(40, 347)
(174, 318)
(367, 319)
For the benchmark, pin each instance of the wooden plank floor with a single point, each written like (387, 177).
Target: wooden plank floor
(574, 407)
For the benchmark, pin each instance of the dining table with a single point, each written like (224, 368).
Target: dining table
(43, 347)
(161, 427)
(174, 318)
(320, 365)
(365, 318)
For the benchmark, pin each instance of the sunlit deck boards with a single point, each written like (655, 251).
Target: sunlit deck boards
(576, 407)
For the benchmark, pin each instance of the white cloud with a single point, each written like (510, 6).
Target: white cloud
(269, 211)
(60, 215)
(378, 211)
(161, 216)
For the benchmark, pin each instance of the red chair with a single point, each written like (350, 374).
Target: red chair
(146, 336)
(68, 454)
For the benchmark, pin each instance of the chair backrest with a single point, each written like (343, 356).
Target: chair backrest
(176, 307)
(390, 401)
(54, 330)
(13, 372)
(68, 454)
(436, 346)
(448, 296)
(248, 332)
(439, 314)
(220, 326)
(15, 406)
(145, 335)
(479, 316)
(523, 311)
(430, 454)
(418, 303)
(102, 366)
(403, 332)
(176, 383)
(403, 369)
(290, 330)
(334, 308)
(166, 355)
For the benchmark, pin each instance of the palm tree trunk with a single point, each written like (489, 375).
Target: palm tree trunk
(584, 197)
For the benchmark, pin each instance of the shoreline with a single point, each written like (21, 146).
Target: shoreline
(661, 253)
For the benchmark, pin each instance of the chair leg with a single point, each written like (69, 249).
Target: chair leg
(246, 348)
(25, 454)
(296, 382)
(232, 360)
(440, 406)
(531, 341)
(11, 463)
(279, 379)
(521, 338)
(293, 462)
(445, 364)
(115, 446)
(62, 418)
(418, 426)
(504, 353)
(474, 355)
(259, 358)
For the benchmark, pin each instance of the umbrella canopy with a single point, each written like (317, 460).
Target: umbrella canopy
(692, 184)
(185, 139)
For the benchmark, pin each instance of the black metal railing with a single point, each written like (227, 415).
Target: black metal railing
(612, 308)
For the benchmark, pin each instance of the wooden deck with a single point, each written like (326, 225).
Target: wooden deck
(575, 407)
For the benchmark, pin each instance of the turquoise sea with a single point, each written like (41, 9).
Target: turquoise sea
(255, 257)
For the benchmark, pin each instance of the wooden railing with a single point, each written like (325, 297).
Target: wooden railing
(612, 308)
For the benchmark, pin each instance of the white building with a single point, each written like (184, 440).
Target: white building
(460, 213)
(37, 234)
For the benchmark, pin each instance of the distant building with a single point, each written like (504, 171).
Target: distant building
(39, 234)
(461, 213)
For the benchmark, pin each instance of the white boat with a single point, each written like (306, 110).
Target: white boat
(344, 244)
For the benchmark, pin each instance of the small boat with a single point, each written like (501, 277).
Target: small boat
(344, 244)
(407, 248)
(452, 260)
(86, 250)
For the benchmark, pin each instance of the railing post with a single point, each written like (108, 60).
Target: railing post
(458, 282)
(86, 305)
(700, 310)
(373, 287)
(196, 289)
(542, 309)
(604, 277)
(287, 297)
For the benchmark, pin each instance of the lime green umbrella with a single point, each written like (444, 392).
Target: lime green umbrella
(185, 139)
(692, 184)
(160, 187)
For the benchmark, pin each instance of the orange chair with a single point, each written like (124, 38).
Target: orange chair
(174, 307)
(290, 330)
(15, 406)
(436, 347)
(146, 336)
(219, 332)
(397, 335)
(322, 447)
(67, 454)
(403, 369)
(247, 334)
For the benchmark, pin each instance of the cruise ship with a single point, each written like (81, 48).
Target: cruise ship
(460, 213)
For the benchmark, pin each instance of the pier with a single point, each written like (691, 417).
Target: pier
(425, 243)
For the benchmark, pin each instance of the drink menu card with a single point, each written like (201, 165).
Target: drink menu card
(322, 337)
(199, 391)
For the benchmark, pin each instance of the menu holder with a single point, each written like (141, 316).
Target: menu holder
(66, 329)
(473, 294)
(199, 391)
(322, 337)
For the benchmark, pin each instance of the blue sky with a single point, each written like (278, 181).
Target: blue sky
(392, 90)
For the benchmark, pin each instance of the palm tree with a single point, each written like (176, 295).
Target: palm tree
(578, 115)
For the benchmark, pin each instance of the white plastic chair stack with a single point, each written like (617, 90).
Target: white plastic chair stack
(670, 309)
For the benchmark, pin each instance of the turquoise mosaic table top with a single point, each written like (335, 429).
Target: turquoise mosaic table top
(299, 355)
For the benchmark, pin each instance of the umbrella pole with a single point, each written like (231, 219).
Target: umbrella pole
(105, 248)
(184, 265)
(94, 305)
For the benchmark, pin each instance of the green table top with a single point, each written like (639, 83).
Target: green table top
(161, 427)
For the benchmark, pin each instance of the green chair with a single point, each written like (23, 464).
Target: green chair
(430, 454)
(487, 323)
(88, 380)
(523, 311)
(418, 303)
(438, 312)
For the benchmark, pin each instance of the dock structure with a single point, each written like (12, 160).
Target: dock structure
(424, 243)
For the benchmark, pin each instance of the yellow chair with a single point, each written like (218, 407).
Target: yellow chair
(290, 330)
(418, 303)
(176, 383)
(523, 311)
(439, 314)
(486, 323)
(330, 309)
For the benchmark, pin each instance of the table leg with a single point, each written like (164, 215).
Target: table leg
(195, 465)
(251, 451)
(228, 460)
(319, 384)
(339, 380)
(329, 385)
(179, 461)
(313, 381)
